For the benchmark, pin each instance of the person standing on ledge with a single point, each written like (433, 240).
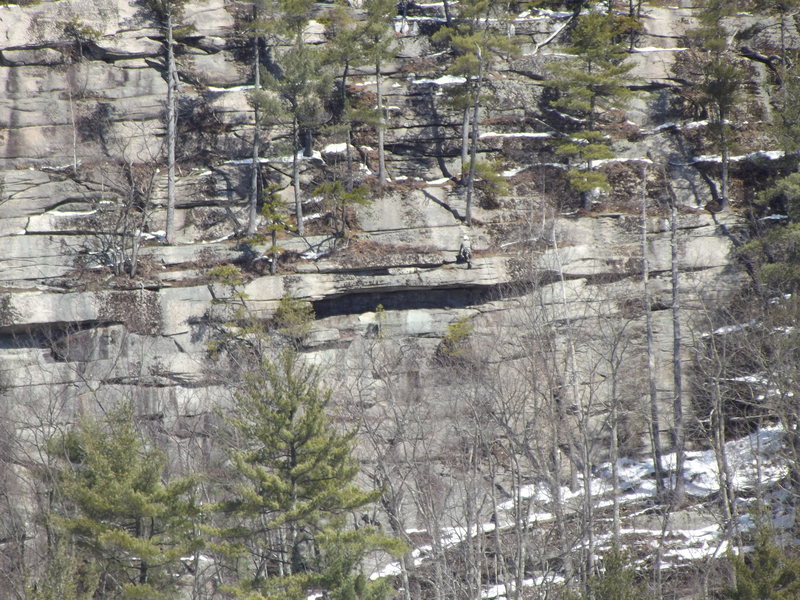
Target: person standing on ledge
(465, 251)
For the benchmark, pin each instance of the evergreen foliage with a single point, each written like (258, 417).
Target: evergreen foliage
(296, 91)
(293, 318)
(775, 254)
(767, 573)
(67, 575)
(476, 41)
(295, 482)
(617, 580)
(786, 116)
(454, 346)
(119, 513)
(590, 83)
(377, 37)
(339, 201)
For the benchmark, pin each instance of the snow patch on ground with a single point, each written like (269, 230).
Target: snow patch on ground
(520, 134)
(316, 155)
(753, 460)
(652, 49)
(760, 154)
(443, 80)
(234, 88)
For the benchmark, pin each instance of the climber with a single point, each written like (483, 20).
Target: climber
(465, 251)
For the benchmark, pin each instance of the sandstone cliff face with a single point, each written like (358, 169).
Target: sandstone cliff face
(83, 117)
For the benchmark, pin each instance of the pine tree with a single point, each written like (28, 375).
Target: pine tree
(378, 36)
(767, 573)
(301, 85)
(617, 579)
(117, 510)
(257, 31)
(476, 40)
(720, 90)
(168, 13)
(783, 9)
(786, 113)
(295, 482)
(719, 82)
(343, 51)
(590, 83)
(339, 201)
(775, 253)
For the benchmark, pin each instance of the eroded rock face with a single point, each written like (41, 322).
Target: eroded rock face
(83, 127)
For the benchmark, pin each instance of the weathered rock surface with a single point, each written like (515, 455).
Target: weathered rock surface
(81, 129)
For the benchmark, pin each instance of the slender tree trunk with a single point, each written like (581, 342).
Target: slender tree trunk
(473, 153)
(614, 452)
(298, 199)
(136, 242)
(71, 100)
(381, 127)
(252, 213)
(560, 418)
(678, 435)
(447, 17)
(655, 424)
(723, 142)
(588, 505)
(348, 149)
(171, 126)
(520, 525)
(464, 144)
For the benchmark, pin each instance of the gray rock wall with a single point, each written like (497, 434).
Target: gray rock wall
(83, 125)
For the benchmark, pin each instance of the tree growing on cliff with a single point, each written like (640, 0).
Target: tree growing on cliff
(257, 31)
(476, 40)
(718, 84)
(378, 35)
(300, 86)
(720, 90)
(591, 82)
(294, 484)
(340, 201)
(168, 13)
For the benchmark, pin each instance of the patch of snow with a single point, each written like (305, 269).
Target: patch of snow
(72, 213)
(653, 49)
(513, 172)
(155, 235)
(314, 254)
(235, 88)
(443, 80)
(441, 181)
(604, 161)
(503, 589)
(220, 239)
(521, 134)
(316, 155)
(335, 148)
(764, 154)
(663, 126)
(730, 329)
(774, 218)
(553, 14)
